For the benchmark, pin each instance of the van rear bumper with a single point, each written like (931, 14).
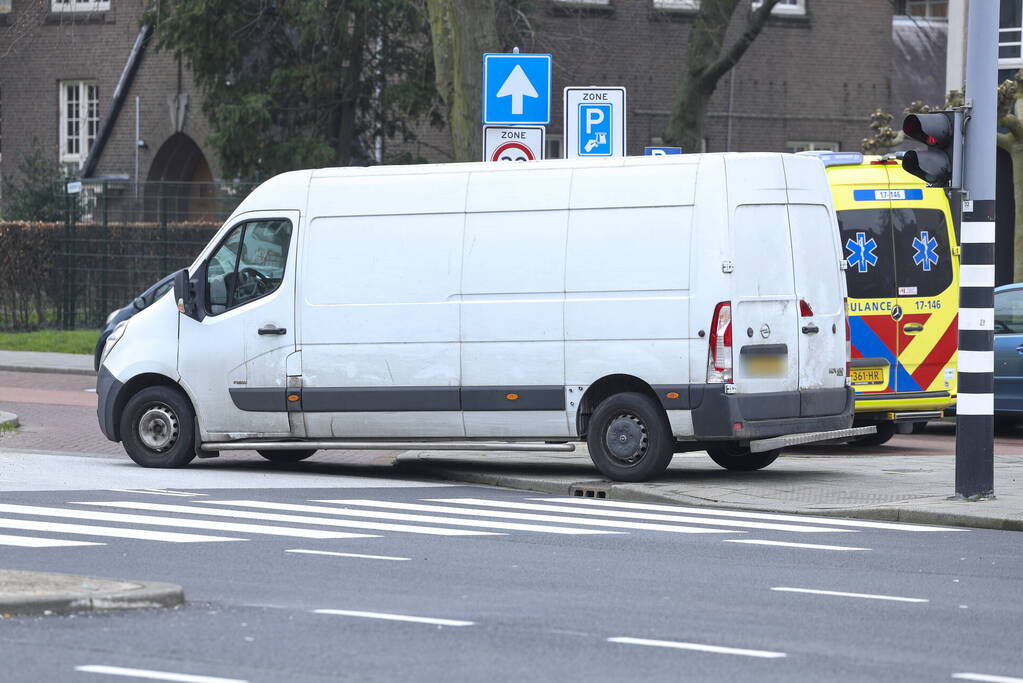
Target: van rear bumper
(717, 415)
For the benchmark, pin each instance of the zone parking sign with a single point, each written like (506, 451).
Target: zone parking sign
(594, 122)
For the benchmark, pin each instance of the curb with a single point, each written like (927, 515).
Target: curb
(628, 493)
(146, 594)
(8, 420)
(47, 369)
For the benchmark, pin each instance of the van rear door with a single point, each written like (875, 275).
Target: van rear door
(765, 312)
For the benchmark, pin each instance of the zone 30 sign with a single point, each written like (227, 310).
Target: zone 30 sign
(513, 143)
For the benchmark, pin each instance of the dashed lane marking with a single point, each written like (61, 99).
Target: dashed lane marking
(355, 555)
(842, 594)
(394, 617)
(786, 544)
(699, 647)
(153, 675)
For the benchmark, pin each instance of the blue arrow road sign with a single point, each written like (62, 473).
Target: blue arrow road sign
(516, 89)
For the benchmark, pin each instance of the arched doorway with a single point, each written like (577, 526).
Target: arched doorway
(179, 185)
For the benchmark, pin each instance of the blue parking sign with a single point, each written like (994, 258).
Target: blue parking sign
(516, 89)
(595, 130)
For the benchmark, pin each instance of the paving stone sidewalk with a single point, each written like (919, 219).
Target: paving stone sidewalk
(911, 488)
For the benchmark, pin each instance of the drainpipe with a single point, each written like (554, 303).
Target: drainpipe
(89, 167)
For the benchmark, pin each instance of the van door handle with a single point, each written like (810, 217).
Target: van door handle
(272, 329)
(909, 328)
(811, 329)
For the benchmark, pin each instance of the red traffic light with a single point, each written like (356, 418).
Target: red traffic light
(934, 130)
(940, 164)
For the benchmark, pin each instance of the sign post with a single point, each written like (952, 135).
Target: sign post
(594, 122)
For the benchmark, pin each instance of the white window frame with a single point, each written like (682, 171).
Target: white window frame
(79, 120)
(792, 8)
(677, 5)
(79, 5)
(1011, 62)
(794, 146)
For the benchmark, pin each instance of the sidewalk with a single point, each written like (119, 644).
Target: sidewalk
(912, 488)
(38, 593)
(43, 361)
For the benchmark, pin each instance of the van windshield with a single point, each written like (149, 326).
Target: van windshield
(895, 252)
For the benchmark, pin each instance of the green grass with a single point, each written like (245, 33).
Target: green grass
(62, 341)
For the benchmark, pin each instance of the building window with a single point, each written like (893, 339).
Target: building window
(5, 6)
(553, 144)
(1010, 28)
(677, 5)
(79, 119)
(927, 9)
(787, 7)
(79, 5)
(793, 146)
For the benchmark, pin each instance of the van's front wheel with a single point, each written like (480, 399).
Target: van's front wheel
(739, 458)
(629, 438)
(288, 456)
(157, 428)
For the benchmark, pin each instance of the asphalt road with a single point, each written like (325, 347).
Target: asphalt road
(296, 575)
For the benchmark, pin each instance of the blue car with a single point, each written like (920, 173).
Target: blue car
(1009, 350)
(141, 303)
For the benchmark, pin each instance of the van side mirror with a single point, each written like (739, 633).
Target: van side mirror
(139, 304)
(184, 294)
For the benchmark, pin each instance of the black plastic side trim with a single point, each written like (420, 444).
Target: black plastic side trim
(379, 399)
(899, 396)
(684, 400)
(269, 400)
(528, 398)
(108, 388)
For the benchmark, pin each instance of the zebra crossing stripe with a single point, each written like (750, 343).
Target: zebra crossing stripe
(37, 542)
(744, 524)
(588, 521)
(150, 520)
(830, 521)
(431, 519)
(114, 532)
(294, 519)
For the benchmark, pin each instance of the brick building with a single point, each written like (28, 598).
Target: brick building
(60, 64)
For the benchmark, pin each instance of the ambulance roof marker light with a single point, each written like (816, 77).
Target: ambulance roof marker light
(835, 158)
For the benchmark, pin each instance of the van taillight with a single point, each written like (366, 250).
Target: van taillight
(848, 340)
(804, 309)
(719, 361)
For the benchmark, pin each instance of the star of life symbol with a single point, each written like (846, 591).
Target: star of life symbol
(861, 252)
(925, 246)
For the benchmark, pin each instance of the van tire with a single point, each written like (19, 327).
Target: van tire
(287, 456)
(885, 431)
(157, 428)
(643, 444)
(739, 458)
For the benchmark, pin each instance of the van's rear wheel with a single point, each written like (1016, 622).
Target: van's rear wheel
(629, 438)
(739, 458)
(157, 428)
(885, 431)
(287, 456)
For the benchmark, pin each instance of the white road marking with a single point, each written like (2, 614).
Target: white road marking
(294, 519)
(540, 518)
(151, 520)
(36, 542)
(799, 528)
(159, 492)
(364, 557)
(716, 649)
(153, 675)
(428, 519)
(986, 678)
(785, 544)
(90, 530)
(840, 594)
(394, 617)
(803, 519)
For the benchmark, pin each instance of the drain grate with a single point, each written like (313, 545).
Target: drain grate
(589, 491)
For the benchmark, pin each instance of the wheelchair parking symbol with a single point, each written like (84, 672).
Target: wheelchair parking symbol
(595, 126)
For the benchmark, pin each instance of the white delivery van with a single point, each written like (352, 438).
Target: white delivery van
(645, 305)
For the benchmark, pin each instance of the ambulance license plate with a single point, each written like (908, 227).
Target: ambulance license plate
(864, 376)
(765, 365)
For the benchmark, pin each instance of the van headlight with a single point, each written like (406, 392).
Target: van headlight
(115, 336)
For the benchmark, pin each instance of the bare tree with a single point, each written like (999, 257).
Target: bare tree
(707, 60)
(1010, 117)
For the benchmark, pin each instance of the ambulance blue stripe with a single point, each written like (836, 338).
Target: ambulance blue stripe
(870, 346)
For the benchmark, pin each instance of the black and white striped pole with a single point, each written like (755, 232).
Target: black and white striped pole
(975, 404)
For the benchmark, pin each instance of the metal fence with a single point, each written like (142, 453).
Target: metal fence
(115, 240)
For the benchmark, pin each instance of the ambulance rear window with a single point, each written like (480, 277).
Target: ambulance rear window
(866, 238)
(923, 265)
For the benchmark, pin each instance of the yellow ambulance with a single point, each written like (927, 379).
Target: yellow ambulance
(902, 272)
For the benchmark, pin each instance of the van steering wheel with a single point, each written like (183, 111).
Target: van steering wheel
(251, 284)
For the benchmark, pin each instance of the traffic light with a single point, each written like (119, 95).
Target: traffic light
(941, 163)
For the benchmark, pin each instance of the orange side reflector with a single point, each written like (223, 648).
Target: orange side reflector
(672, 394)
(512, 397)
(292, 397)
